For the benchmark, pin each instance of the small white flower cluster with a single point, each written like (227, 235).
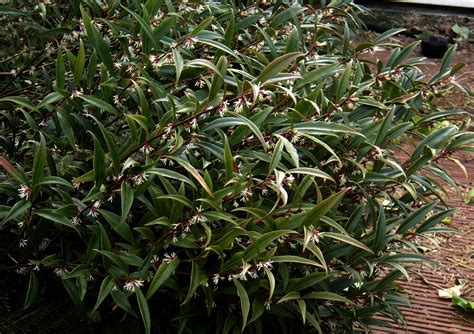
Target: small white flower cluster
(168, 258)
(155, 260)
(44, 244)
(61, 272)
(25, 191)
(240, 103)
(76, 221)
(133, 284)
(246, 194)
(139, 179)
(93, 210)
(198, 216)
(22, 243)
(265, 264)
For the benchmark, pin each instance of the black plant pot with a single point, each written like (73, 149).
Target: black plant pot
(434, 46)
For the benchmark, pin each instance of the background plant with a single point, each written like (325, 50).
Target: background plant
(213, 167)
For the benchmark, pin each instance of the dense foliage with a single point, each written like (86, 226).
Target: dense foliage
(211, 167)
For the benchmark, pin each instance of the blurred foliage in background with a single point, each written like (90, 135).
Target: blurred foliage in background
(201, 167)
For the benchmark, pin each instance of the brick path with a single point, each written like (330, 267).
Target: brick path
(429, 313)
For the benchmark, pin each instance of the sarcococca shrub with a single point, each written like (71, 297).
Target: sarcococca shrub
(207, 167)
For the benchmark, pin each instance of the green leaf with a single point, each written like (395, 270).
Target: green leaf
(79, 65)
(325, 295)
(56, 217)
(39, 161)
(416, 217)
(99, 104)
(32, 291)
(317, 74)
(244, 302)
(346, 239)
(60, 69)
(217, 80)
(228, 159)
(194, 173)
(105, 288)
(295, 259)
(195, 281)
(145, 27)
(463, 303)
(313, 216)
(276, 66)
(144, 311)
(98, 162)
(178, 63)
(164, 271)
(171, 174)
(16, 211)
(127, 197)
(435, 140)
(201, 26)
(262, 242)
(312, 172)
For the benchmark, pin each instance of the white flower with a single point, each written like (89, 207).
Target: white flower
(22, 270)
(133, 284)
(139, 179)
(246, 194)
(240, 103)
(25, 191)
(200, 83)
(23, 243)
(93, 209)
(36, 268)
(76, 221)
(20, 224)
(44, 244)
(216, 278)
(116, 100)
(155, 260)
(289, 180)
(264, 264)
(314, 237)
(189, 42)
(198, 217)
(61, 272)
(169, 257)
(223, 108)
(268, 304)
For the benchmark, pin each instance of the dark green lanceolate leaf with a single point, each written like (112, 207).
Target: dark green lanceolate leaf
(217, 79)
(144, 310)
(32, 290)
(325, 295)
(416, 217)
(98, 163)
(313, 216)
(56, 217)
(201, 26)
(347, 240)
(277, 66)
(39, 161)
(98, 103)
(97, 41)
(317, 74)
(127, 196)
(244, 302)
(435, 140)
(262, 242)
(16, 211)
(195, 281)
(164, 271)
(105, 288)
